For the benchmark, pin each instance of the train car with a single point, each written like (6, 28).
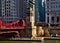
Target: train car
(19, 24)
(12, 29)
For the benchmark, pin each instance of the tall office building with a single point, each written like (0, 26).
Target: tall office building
(11, 10)
(43, 12)
(0, 9)
(40, 9)
(53, 12)
(36, 11)
(23, 9)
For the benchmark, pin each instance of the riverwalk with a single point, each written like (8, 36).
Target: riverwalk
(51, 38)
(28, 39)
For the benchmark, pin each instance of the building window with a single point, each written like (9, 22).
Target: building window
(48, 19)
(56, 6)
(47, 13)
(52, 6)
(57, 18)
(9, 1)
(52, 2)
(9, 4)
(0, 15)
(48, 3)
(47, 0)
(9, 7)
(52, 19)
(3, 12)
(59, 6)
(47, 10)
(48, 7)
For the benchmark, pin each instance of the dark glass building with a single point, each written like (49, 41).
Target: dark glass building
(36, 11)
(41, 11)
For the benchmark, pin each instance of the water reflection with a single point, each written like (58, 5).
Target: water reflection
(56, 41)
(45, 41)
(48, 41)
(52, 41)
(38, 42)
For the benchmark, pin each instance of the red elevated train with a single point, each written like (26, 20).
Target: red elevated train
(17, 28)
(19, 24)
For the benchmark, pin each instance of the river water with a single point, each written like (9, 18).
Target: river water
(45, 41)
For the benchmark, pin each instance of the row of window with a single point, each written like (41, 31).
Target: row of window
(7, 4)
(9, 7)
(8, 10)
(52, 13)
(53, 6)
(7, 1)
(8, 19)
(8, 13)
(50, 0)
(53, 10)
(53, 19)
(55, 2)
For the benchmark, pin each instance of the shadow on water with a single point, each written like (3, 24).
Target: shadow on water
(19, 42)
(45, 41)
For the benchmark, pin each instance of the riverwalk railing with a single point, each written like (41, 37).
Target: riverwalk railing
(29, 39)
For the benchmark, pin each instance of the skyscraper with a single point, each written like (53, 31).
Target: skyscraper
(36, 11)
(11, 10)
(43, 12)
(0, 9)
(41, 7)
(23, 8)
(53, 12)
